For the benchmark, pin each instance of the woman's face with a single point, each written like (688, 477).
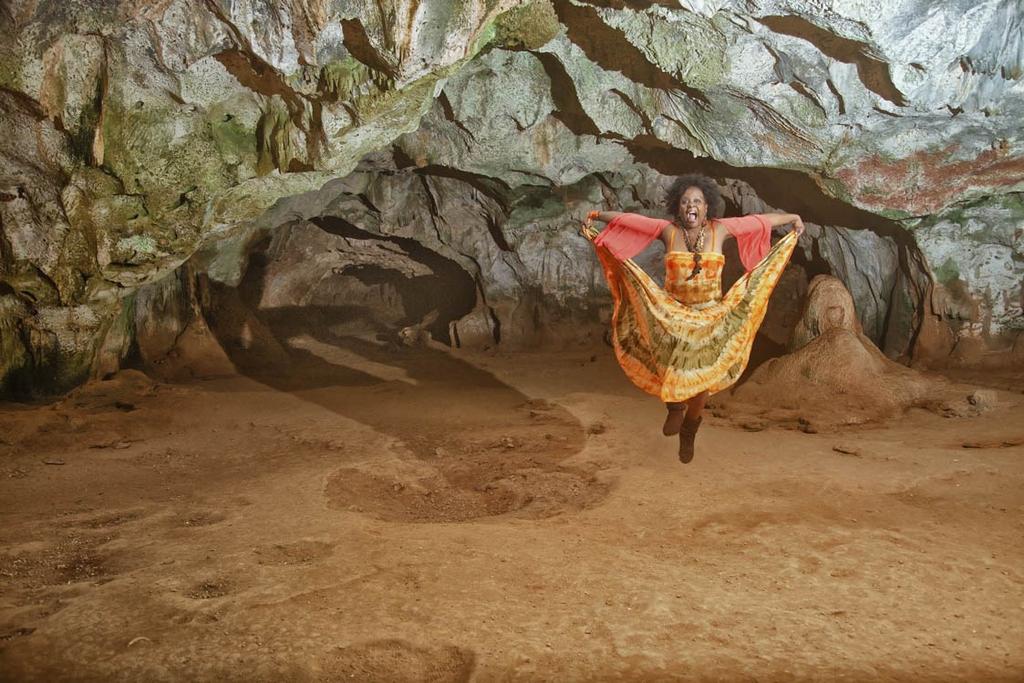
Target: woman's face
(693, 209)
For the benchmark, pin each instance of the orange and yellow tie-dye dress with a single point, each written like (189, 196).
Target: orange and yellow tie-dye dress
(684, 338)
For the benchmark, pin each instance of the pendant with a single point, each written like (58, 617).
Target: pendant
(696, 266)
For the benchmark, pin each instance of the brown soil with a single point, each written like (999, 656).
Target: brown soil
(401, 514)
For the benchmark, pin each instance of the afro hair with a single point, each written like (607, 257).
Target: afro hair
(705, 184)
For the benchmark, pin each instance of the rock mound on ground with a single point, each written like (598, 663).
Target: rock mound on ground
(839, 377)
(835, 375)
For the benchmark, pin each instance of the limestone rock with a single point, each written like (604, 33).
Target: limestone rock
(983, 399)
(173, 338)
(829, 306)
(838, 378)
(248, 342)
(144, 134)
(475, 330)
(976, 252)
(835, 376)
(15, 359)
(304, 262)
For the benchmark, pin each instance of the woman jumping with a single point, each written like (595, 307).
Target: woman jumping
(686, 341)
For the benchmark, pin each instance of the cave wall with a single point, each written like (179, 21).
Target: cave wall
(976, 250)
(144, 136)
(537, 280)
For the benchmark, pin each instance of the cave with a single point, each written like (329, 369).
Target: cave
(311, 370)
(372, 287)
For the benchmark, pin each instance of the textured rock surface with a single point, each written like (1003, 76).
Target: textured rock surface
(147, 132)
(838, 378)
(834, 375)
(829, 306)
(455, 240)
(144, 130)
(976, 252)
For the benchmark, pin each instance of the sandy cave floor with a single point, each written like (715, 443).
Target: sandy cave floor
(416, 516)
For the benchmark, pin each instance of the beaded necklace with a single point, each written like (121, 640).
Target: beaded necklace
(695, 248)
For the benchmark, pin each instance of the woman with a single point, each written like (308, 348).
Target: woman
(686, 341)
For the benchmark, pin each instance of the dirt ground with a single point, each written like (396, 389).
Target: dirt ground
(403, 514)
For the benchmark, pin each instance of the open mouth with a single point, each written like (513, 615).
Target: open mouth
(691, 215)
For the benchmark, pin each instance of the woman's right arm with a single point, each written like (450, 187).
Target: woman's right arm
(627, 234)
(603, 216)
(636, 221)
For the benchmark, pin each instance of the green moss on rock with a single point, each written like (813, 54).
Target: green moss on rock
(26, 278)
(76, 264)
(349, 79)
(235, 142)
(273, 138)
(948, 272)
(10, 70)
(527, 27)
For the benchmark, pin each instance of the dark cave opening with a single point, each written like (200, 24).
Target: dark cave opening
(376, 285)
(449, 290)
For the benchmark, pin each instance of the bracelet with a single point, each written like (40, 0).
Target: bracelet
(592, 215)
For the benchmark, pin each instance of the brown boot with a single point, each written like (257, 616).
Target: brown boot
(674, 419)
(687, 434)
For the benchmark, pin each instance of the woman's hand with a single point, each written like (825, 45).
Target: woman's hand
(588, 220)
(777, 220)
(581, 220)
(798, 226)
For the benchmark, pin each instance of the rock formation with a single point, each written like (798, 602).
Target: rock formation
(829, 306)
(152, 144)
(835, 376)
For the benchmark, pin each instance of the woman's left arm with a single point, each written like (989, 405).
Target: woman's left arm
(777, 219)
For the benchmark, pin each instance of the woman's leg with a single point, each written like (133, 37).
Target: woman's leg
(688, 411)
(695, 406)
(688, 430)
(674, 419)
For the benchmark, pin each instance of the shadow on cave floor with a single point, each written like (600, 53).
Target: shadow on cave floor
(365, 360)
(479, 447)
